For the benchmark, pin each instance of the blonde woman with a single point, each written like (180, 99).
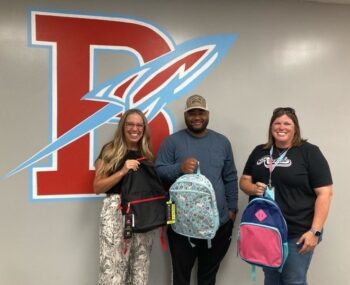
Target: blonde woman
(120, 264)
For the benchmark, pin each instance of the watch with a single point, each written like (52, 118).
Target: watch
(315, 232)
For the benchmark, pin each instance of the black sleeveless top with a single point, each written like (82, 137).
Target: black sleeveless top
(131, 154)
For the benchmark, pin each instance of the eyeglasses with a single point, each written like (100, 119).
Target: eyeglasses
(130, 126)
(284, 109)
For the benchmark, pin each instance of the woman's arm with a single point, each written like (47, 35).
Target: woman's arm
(251, 189)
(103, 183)
(322, 205)
(323, 201)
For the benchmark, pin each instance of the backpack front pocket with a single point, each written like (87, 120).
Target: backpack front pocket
(193, 214)
(262, 245)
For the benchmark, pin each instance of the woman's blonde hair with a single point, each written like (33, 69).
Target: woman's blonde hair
(290, 112)
(112, 153)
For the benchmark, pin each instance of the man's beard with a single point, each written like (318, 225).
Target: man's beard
(197, 130)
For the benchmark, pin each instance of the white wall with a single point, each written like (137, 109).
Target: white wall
(288, 53)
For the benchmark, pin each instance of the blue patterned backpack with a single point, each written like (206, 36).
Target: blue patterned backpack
(196, 209)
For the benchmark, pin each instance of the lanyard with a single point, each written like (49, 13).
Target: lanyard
(273, 165)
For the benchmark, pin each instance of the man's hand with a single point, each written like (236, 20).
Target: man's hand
(189, 165)
(232, 215)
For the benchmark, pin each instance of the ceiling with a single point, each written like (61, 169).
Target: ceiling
(331, 1)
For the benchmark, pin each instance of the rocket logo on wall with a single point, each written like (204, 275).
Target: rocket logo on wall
(163, 72)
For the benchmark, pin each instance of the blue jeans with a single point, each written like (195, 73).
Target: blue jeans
(295, 269)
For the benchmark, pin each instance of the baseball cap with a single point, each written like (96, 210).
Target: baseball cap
(196, 102)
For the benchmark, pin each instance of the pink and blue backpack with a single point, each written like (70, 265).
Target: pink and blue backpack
(263, 234)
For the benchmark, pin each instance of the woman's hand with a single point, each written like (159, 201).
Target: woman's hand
(103, 183)
(130, 164)
(307, 242)
(259, 188)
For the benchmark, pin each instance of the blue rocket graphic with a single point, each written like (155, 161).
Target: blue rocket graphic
(183, 79)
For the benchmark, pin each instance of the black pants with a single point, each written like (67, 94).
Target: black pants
(184, 255)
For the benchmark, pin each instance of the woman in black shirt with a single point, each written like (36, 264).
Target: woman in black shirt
(300, 177)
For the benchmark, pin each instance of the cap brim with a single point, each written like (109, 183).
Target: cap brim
(192, 108)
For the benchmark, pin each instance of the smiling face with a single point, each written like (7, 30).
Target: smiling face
(133, 130)
(197, 121)
(283, 130)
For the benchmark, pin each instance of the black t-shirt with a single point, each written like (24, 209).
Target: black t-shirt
(132, 154)
(294, 179)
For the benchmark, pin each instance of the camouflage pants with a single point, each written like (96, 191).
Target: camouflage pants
(121, 262)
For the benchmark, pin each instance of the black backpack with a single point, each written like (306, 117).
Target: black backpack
(143, 199)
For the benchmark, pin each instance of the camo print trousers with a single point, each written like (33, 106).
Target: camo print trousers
(121, 262)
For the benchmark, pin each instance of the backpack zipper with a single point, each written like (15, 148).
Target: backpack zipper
(139, 201)
(146, 200)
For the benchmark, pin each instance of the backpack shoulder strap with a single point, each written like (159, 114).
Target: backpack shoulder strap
(198, 168)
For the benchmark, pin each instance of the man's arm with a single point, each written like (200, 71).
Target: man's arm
(230, 179)
(168, 169)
